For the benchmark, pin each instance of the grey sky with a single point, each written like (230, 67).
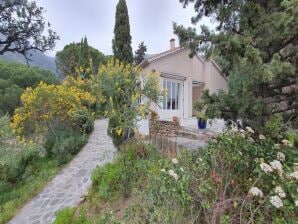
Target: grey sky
(150, 21)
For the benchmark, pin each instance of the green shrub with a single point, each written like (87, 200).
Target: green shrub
(63, 144)
(222, 183)
(68, 216)
(15, 157)
(125, 174)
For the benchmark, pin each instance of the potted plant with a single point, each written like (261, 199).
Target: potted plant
(202, 120)
(201, 115)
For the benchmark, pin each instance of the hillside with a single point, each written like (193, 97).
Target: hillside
(38, 58)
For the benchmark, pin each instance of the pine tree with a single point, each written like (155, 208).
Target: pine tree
(256, 45)
(122, 38)
(140, 53)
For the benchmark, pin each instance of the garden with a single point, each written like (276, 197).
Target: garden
(246, 174)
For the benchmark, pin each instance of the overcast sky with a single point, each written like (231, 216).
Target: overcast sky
(150, 21)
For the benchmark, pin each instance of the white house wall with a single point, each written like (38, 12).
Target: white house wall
(194, 69)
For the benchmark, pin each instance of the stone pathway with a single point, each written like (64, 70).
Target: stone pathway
(67, 188)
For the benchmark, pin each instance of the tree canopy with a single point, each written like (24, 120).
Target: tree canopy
(140, 53)
(22, 28)
(14, 78)
(122, 39)
(255, 43)
(78, 55)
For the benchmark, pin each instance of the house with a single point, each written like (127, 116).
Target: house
(184, 78)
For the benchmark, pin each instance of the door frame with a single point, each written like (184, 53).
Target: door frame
(169, 113)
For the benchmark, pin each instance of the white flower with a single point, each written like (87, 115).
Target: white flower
(234, 129)
(266, 168)
(294, 175)
(287, 142)
(281, 157)
(200, 159)
(175, 161)
(254, 191)
(296, 203)
(181, 169)
(249, 129)
(251, 139)
(276, 201)
(280, 192)
(173, 174)
(163, 170)
(242, 131)
(276, 165)
(262, 137)
(276, 146)
(242, 135)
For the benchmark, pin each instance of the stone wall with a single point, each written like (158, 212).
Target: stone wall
(163, 128)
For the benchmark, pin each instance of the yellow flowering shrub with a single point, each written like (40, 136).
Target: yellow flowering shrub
(122, 87)
(47, 106)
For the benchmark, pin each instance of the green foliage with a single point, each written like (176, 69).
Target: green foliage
(64, 144)
(256, 47)
(140, 53)
(14, 78)
(76, 58)
(23, 28)
(125, 173)
(23, 171)
(122, 38)
(15, 157)
(67, 216)
(216, 183)
(122, 86)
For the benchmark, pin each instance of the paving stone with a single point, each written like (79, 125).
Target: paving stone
(72, 183)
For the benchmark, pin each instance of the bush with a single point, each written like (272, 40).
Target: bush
(48, 107)
(126, 173)
(64, 144)
(122, 87)
(16, 157)
(239, 177)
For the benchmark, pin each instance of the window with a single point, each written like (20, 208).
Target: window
(171, 99)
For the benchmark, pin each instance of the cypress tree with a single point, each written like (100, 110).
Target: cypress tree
(84, 53)
(122, 38)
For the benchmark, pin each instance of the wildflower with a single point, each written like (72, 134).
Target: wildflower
(254, 191)
(280, 192)
(174, 160)
(249, 129)
(173, 174)
(262, 137)
(163, 170)
(287, 142)
(276, 146)
(276, 201)
(281, 157)
(294, 175)
(276, 165)
(266, 168)
(135, 130)
(242, 131)
(296, 203)
(181, 169)
(251, 139)
(242, 135)
(119, 131)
